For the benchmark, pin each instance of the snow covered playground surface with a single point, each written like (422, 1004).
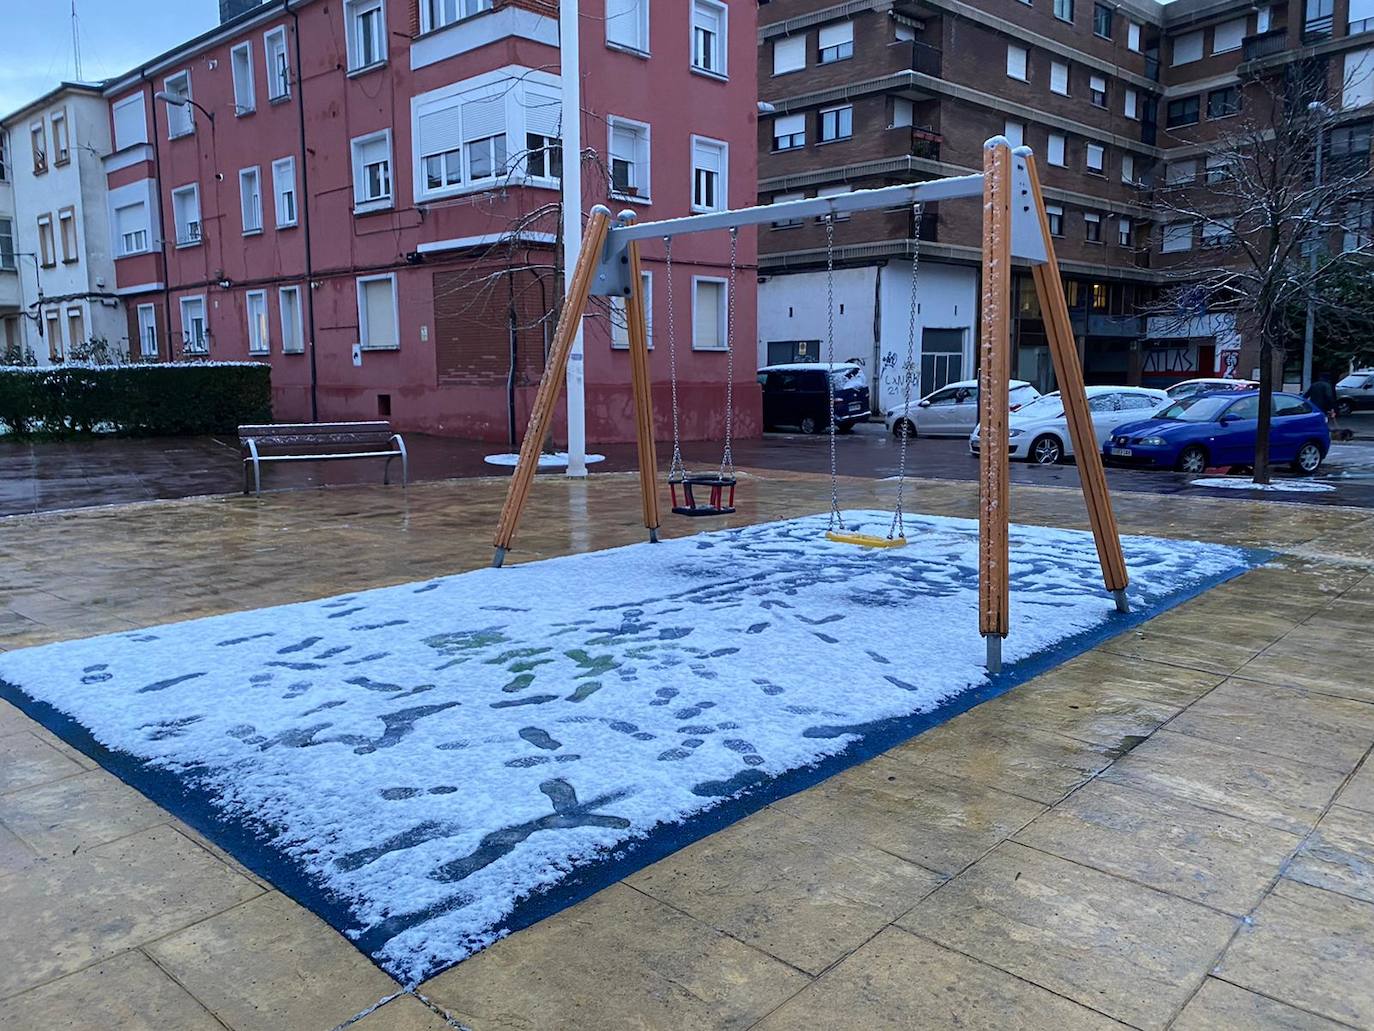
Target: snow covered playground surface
(431, 766)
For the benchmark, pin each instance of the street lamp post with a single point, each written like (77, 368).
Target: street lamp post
(1319, 110)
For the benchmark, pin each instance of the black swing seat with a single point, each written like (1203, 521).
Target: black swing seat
(720, 495)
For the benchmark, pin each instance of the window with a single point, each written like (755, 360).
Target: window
(7, 245)
(627, 24)
(278, 64)
(544, 151)
(377, 324)
(130, 122)
(365, 26)
(1216, 170)
(1188, 48)
(4, 157)
(61, 142)
(1102, 21)
(250, 200)
(785, 198)
(1128, 169)
(438, 13)
(835, 42)
(372, 171)
(54, 322)
(903, 113)
(789, 54)
(1063, 10)
(1178, 236)
(708, 314)
(835, 191)
(837, 123)
(1097, 90)
(1357, 225)
(1095, 157)
(1223, 102)
(241, 61)
(1015, 132)
(1219, 232)
(789, 132)
(292, 335)
(195, 336)
(66, 226)
(131, 227)
(1181, 112)
(284, 191)
(186, 211)
(1358, 84)
(1227, 36)
(1054, 151)
(1180, 173)
(1359, 17)
(47, 249)
(708, 36)
(710, 174)
(1055, 214)
(181, 119)
(1130, 105)
(629, 159)
(1059, 78)
(484, 137)
(38, 136)
(1262, 19)
(1092, 227)
(259, 342)
(620, 323)
(147, 331)
(1016, 61)
(1123, 232)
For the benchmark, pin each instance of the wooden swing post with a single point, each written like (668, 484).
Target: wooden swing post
(637, 318)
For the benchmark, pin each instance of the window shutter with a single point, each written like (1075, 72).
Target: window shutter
(623, 21)
(440, 131)
(1055, 151)
(1130, 102)
(1358, 87)
(706, 17)
(1361, 10)
(1228, 35)
(707, 156)
(1098, 83)
(130, 219)
(1188, 48)
(836, 34)
(372, 151)
(1059, 77)
(542, 114)
(788, 125)
(130, 125)
(789, 54)
(623, 143)
(381, 317)
(482, 118)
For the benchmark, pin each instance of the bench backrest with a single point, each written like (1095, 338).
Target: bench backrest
(316, 434)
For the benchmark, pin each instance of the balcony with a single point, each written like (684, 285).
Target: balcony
(1265, 44)
(925, 142)
(1314, 30)
(926, 59)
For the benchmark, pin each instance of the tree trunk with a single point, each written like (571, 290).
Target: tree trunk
(1266, 403)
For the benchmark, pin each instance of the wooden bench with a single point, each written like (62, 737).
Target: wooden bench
(320, 442)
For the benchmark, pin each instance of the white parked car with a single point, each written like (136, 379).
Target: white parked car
(951, 411)
(1189, 387)
(1039, 432)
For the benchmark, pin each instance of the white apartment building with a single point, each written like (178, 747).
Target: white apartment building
(11, 327)
(64, 281)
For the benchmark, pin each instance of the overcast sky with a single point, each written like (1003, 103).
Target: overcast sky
(115, 35)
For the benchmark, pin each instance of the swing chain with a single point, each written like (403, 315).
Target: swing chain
(908, 376)
(727, 458)
(676, 472)
(836, 520)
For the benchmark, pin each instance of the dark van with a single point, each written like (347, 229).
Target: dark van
(797, 396)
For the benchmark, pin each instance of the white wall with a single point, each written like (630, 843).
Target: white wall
(794, 307)
(1221, 326)
(947, 298)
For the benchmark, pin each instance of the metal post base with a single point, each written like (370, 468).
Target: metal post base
(499, 558)
(994, 644)
(653, 535)
(1122, 605)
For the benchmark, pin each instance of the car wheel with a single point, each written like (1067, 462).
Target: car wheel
(810, 425)
(1308, 459)
(1192, 459)
(910, 429)
(1344, 408)
(1046, 450)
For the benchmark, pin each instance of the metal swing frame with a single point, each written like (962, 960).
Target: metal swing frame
(1015, 225)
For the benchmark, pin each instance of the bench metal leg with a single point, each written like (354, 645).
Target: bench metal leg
(405, 459)
(257, 469)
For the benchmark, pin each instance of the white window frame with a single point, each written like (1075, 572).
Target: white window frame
(184, 115)
(793, 140)
(204, 347)
(1063, 142)
(835, 191)
(1018, 62)
(61, 137)
(250, 176)
(259, 336)
(38, 141)
(461, 9)
(1173, 240)
(1128, 169)
(722, 199)
(279, 77)
(1101, 152)
(363, 341)
(792, 51)
(66, 226)
(147, 329)
(1094, 81)
(1134, 32)
(722, 317)
(1058, 69)
(785, 198)
(361, 202)
(1092, 218)
(47, 241)
(838, 119)
(722, 41)
(142, 130)
(620, 328)
(1130, 103)
(245, 90)
(1124, 232)
(284, 169)
(1053, 211)
(287, 331)
(640, 43)
(354, 11)
(643, 149)
(841, 53)
(188, 239)
(9, 259)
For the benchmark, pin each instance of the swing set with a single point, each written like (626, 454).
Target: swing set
(1015, 225)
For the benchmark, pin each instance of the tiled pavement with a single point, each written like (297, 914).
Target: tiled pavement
(1173, 830)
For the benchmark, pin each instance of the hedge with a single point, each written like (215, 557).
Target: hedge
(146, 398)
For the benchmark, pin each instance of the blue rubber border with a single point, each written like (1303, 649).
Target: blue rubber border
(247, 843)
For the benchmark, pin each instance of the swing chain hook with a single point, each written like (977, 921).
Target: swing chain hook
(676, 472)
(836, 520)
(908, 377)
(727, 458)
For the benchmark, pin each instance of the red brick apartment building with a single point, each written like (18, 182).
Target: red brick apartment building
(366, 194)
(1118, 99)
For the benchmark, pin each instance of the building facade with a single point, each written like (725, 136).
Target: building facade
(61, 285)
(366, 194)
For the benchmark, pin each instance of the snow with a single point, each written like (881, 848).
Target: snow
(557, 460)
(1245, 483)
(431, 755)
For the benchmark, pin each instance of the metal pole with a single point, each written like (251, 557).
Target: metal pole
(1310, 325)
(570, 65)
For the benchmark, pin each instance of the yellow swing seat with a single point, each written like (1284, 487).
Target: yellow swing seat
(865, 540)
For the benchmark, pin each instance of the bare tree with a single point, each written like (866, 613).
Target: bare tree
(1281, 191)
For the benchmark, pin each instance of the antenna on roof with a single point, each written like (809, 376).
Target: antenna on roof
(76, 46)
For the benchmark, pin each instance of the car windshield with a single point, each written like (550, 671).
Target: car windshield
(842, 378)
(1355, 379)
(1046, 406)
(1199, 408)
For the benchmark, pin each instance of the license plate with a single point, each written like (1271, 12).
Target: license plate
(1121, 452)
(854, 406)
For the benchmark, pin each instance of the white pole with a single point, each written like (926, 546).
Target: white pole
(570, 65)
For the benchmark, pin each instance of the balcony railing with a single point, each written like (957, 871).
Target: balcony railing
(926, 59)
(1264, 44)
(1152, 69)
(1316, 29)
(925, 142)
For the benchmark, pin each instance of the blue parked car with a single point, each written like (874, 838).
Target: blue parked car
(1218, 428)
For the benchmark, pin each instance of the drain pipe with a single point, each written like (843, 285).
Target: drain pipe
(305, 215)
(570, 71)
